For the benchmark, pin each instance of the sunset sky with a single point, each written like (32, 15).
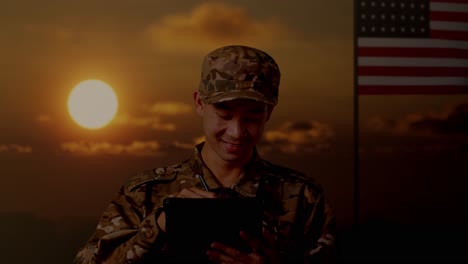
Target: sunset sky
(59, 175)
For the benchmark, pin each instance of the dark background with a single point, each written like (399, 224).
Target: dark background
(57, 177)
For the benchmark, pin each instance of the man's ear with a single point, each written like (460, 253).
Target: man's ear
(199, 105)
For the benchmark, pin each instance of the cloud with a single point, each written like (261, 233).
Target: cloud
(430, 147)
(444, 131)
(153, 122)
(182, 145)
(52, 31)
(214, 24)
(43, 118)
(170, 108)
(135, 148)
(453, 121)
(190, 145)
(15, 148)
(456, 122)
(150, 115)
(299, 136)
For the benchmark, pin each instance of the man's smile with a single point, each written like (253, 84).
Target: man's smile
(233, 146)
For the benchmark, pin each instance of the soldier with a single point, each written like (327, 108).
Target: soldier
(236, 96)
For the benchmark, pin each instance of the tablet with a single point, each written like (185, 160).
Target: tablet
(192, 224)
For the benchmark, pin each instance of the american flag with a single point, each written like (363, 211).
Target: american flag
(411, 46)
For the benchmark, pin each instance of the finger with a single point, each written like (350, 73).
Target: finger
(187, 193)
(269, 238)
(229, 254)
(218, 257)
(253, 242)
(161, 221)
(269, 246)
(203, 193)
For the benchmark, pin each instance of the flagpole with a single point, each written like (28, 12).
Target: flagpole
(356, 188)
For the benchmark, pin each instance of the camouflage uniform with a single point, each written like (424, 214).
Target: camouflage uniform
(295, 210)
(294, 207)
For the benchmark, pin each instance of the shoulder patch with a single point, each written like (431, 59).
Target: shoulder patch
(163, 174)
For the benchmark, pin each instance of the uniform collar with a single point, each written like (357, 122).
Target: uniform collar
(246, 185)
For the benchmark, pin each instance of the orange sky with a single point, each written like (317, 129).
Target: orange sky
(150, 52)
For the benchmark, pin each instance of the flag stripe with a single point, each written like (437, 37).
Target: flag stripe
(412, 52)
(409, 81)
(448, 16)
(413, 62)
(457, 7)
(442, 25)
(412, 71)
(450, 1)
(411, 43)
(443, 34)
(397, 90)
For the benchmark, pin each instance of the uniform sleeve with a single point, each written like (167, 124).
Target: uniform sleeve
(124, 233)
(320, 231)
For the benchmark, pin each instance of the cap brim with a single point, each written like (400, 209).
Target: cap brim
(233, 95)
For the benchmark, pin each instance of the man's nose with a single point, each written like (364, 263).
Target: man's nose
(236, 129)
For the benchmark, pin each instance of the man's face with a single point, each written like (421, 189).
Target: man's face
(233, 128)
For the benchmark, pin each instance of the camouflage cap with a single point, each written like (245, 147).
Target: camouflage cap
(239, 72)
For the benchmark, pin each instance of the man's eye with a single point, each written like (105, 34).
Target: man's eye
(253, 119)
(225, 117)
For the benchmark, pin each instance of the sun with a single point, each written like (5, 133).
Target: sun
(92, 104)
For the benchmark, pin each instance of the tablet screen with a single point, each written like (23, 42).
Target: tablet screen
(193, 224)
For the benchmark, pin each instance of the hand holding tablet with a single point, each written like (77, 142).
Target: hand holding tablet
(193, 224)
